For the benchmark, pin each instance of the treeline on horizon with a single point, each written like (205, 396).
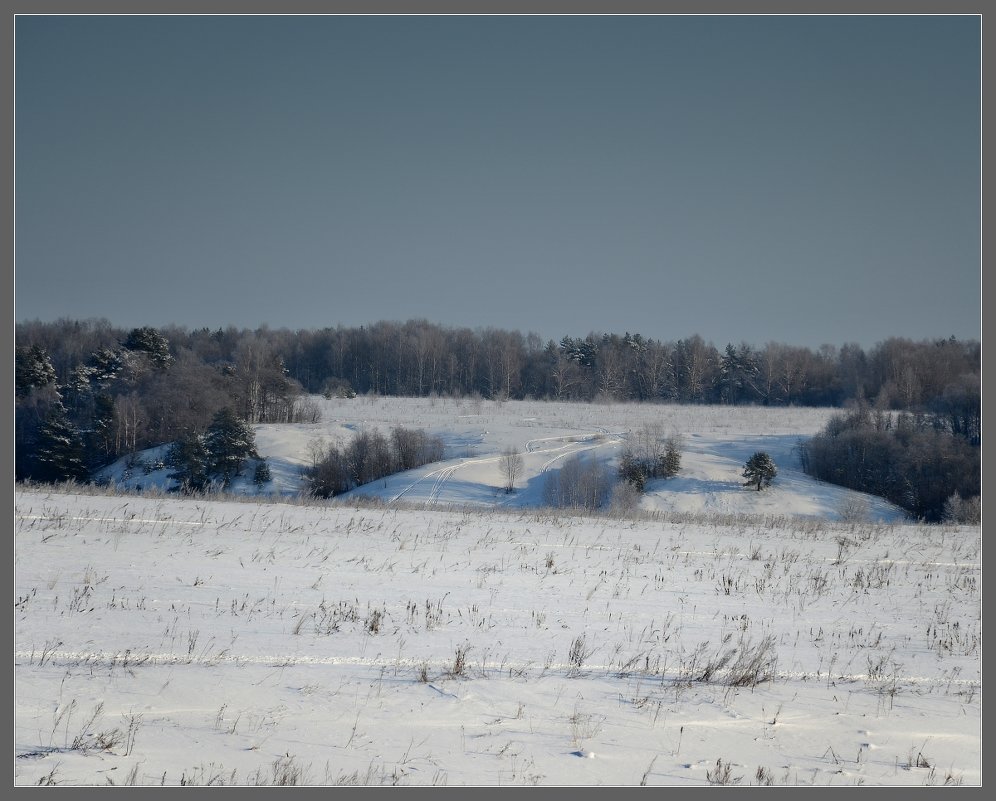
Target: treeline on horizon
(418, 358)
(113, 391)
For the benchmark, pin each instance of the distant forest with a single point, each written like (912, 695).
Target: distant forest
(88, 392)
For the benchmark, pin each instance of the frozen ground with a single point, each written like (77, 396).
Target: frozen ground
(454, 638)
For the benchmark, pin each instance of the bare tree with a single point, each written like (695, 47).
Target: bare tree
(510, 465)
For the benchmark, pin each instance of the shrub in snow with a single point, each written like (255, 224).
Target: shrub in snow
(368, 457)
(338, 388)
(625, 498)
(582, 483)
(261, 475)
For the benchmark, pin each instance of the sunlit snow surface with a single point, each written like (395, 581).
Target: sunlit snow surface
(164, 640)
(717, 442)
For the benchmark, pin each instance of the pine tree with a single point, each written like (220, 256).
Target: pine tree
(759, 470)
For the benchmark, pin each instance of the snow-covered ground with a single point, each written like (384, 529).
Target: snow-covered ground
(717, 442)
(466, 636)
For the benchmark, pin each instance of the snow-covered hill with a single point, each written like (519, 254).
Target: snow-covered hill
(717, 442)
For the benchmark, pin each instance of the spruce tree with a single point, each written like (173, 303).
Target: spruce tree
(671, 459)
(59, 454)
(261, 475)
(32, 368)
(229, 441)
(150, 341)
(190, 459)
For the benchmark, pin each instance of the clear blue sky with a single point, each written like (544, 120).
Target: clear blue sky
(759, 178)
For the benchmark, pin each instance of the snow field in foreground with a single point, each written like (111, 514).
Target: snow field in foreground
(190, 641)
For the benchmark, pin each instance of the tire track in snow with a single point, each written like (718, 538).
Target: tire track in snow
(434, 493)
(86, 519)
(440, 477)
(444, 474)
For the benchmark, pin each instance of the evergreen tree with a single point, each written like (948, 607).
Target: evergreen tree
(671, 461)
(738, 373)
(632, 471)
(759, 470)
(32, 368)
(59, 453)
(190, 459)
(107, 364)
(100, 442)
(261, 475)
(151, 342)
(229, 441)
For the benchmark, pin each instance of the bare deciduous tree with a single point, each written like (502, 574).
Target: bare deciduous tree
(582, 483)
(510, 465)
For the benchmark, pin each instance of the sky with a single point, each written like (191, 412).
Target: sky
(792, 179)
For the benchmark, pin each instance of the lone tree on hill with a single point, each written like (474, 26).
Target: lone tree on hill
(759, 470)
(511, 466)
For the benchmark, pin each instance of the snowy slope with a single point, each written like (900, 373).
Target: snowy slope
(717, 442)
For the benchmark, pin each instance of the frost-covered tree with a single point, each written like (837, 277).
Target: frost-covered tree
(759, 470)
(107, 364)
(648, 455)
(510, 465)
(670, 463)
(962, 510)
(151, 342)
(32, 369)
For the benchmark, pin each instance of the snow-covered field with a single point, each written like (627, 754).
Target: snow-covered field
(170, 640)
